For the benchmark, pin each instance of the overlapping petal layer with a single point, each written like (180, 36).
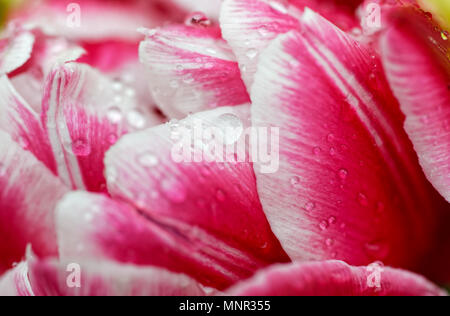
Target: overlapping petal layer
(200, 218)
(335, 278)
(417, 64)
(349, 185)
(85, 113)
(194, 67)
(28, 195)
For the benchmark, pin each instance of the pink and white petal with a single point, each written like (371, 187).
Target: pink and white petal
(194, 67)
(99, 19)
(250, 25)
(47, 50)
(15, 49)
(50, 277)
(15, 282)
(22, 123)
(85, 113)
(107, 229)
(28, 196)
(349, 185)
(418, 68)
(335, 278)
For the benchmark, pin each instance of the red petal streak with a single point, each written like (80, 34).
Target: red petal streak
(195, 68)
(28, 195)
(349, 185)
(335, 278)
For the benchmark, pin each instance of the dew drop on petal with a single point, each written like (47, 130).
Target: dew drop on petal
(81, 147)
(377, 249)
(323, 225)
(362, 199)
(114, 115)
(148, 160)
(174, 190)
(343, 174)
(310, 206)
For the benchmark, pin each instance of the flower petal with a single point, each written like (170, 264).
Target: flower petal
(418, 68)
(28, 195)
(250, 25)
(22, 123)
(85, 113)
(195, 68)
(106, 229)
(335, 278)
(349, 185)
(50, 278)
(15, 282)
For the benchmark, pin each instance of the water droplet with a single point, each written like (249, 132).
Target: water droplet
(332, 220)
(174, 190)
(444, 35)
(295, 181)
(362, 199)
(220, 195)
(81, 147)
(324, 225)
(112, 138)
(332, 151)
(330, 138)
(317, 151)
(377, 249)
(310, 206)
(114, 115)
(252, 53)
(198, 19)
(148, 160)
(231, 127)
(263, 31)
(343, 174)
(136, 119)
(329, 242)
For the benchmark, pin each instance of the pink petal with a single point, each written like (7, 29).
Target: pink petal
(195, 70)
(47, 50)
(418, 69)
(250, 25)
(15, 282)
(85, 113)
(15, 49)
(49, 278)
(349, 185)
(28, 195)
(335, 278)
